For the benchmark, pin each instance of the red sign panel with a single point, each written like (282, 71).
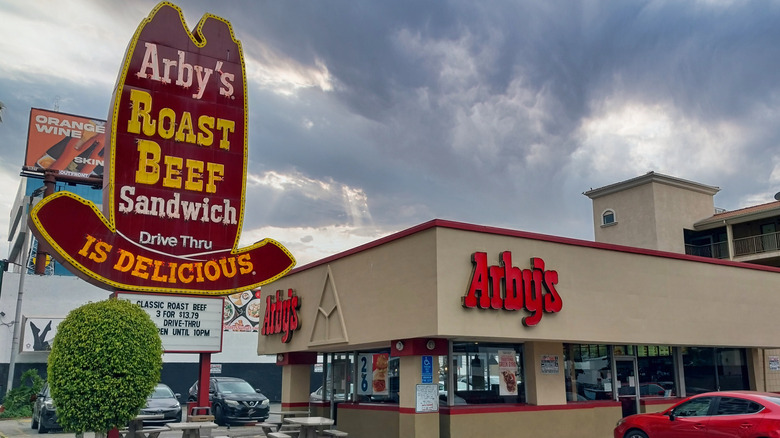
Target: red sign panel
(281, 315)
(72, 146)
(173, 195)
(508, 287)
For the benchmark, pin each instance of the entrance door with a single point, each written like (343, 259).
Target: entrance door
(342, 381)
(627, 384)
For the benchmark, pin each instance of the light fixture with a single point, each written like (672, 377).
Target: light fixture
(399, 345)
(279, 357)
(431, 344)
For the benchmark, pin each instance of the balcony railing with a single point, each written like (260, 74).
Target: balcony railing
(757, 244)
(718, 250)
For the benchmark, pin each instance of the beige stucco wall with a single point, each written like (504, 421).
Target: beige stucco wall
(651, 215)
(634, 216)
(676, 209)
(544, 389)
(772, 377)
(613, 297)
(413, 287)
(370, 422)
(559, 423)
(383, 293)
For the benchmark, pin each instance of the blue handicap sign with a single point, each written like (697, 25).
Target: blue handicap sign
(427, 369)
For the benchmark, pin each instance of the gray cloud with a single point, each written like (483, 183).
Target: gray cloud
(498, 112)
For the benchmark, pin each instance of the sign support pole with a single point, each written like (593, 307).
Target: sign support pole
(203, 380)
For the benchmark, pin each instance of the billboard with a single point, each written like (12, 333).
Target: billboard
(175, 172)
(38, 333)
(69, 145)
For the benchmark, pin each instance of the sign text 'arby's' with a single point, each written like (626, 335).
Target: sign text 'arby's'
(175, 172)
(508, 287)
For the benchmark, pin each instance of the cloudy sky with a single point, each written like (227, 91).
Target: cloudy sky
(368, 117)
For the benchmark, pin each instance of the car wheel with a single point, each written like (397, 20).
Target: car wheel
(218, 418)
(635, 434)
(34, 422)
(42, 428)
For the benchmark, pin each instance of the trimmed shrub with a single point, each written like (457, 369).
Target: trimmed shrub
(105, 361)
(18, 401)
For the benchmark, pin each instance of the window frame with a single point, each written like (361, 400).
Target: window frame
(609, 212)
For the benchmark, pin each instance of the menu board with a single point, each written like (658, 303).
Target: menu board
(186, 324)
(427, 399)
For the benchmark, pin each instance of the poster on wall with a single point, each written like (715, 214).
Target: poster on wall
(365, 374)
(379, 374)
(243, 312)
(38, 333)
(507, 369)
(774, 363)
(66, 144)
(550, 364)
(427, 398)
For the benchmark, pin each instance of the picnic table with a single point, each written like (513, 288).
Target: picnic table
(135, 427)
(192, 429)
(310, 426)
(284, 414)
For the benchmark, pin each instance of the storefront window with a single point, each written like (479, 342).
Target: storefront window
(656, 371)
(485, 373)
(381, 380)
(588, 372)
(713, 369)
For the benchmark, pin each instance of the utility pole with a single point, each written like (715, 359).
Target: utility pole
(18, 318)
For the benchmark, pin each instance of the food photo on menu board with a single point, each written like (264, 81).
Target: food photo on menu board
(243, 312)
(379, 368)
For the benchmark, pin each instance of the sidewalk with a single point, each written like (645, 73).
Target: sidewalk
(20, 428)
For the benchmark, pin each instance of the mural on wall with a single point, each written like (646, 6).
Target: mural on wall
(38, 333)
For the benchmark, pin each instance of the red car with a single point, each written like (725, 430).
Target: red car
(738, 414)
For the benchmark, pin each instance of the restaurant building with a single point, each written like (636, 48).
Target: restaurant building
(459, 330)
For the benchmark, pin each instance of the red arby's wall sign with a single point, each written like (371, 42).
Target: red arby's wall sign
(508, 287)
(281, 315)
(174, 185)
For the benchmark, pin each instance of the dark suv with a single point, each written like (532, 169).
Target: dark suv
(233, 400)
(44, 416)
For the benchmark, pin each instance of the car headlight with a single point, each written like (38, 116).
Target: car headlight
(49, 404)
(232, 403)
(619, 422)
(176, 406)
(265, 403)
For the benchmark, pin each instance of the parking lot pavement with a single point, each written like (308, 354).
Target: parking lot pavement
(20, 428)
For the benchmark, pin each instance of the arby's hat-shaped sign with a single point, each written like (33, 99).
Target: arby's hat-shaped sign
(174, 186)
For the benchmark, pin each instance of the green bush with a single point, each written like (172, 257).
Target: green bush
(105, 361)
(18, 401)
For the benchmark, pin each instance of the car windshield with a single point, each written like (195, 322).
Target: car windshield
(162, 392)
(235, 387)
